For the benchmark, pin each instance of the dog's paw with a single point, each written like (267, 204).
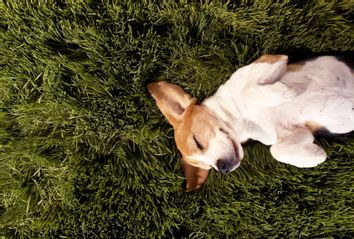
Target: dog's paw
(312, 155)
(301, 156)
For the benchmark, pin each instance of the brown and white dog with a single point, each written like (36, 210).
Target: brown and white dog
(269, 100)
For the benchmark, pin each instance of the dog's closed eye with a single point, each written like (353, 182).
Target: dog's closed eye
(197, 142)
(223, 131)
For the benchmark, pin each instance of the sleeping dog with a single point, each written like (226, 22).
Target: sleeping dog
(270, 101)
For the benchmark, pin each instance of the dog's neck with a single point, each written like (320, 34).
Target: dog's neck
(246, 122)
(225, 109)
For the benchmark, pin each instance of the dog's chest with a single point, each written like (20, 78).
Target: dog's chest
(247, 121)
(262, 129)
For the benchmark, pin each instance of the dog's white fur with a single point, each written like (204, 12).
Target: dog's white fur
(269, 101)
(265, 102)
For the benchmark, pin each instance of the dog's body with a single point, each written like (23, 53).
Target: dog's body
(269, 101)
(319, 94)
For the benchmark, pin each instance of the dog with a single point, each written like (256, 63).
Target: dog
(278, 104)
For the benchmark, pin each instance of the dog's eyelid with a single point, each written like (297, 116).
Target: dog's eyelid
(223, 130)
(199, 145)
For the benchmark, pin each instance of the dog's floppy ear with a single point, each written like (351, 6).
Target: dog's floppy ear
(171, 100)
(270, 68)
(195, 177)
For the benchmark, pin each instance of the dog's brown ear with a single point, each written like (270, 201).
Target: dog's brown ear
(195, 177)
(171, 100)
(273, 67)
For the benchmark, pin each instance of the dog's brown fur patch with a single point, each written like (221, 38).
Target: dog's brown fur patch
(294, 67)
(193, 123)
(315, 127)
(271, 58)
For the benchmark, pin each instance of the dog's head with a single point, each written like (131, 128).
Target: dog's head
(204, 140)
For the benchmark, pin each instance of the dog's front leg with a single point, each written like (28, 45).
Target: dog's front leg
(296, 147)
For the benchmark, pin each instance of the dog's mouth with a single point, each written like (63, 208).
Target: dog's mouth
(236, 148)
(238, 156)
(232, 137)
(234, 159)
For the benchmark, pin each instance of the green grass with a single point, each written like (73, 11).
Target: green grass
(85, 153)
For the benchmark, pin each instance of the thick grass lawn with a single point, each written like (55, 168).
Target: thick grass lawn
(85, 152)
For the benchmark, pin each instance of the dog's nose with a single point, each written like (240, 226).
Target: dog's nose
(224, 166)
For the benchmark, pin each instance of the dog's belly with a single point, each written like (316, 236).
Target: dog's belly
(336, 114)
(324, 97)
